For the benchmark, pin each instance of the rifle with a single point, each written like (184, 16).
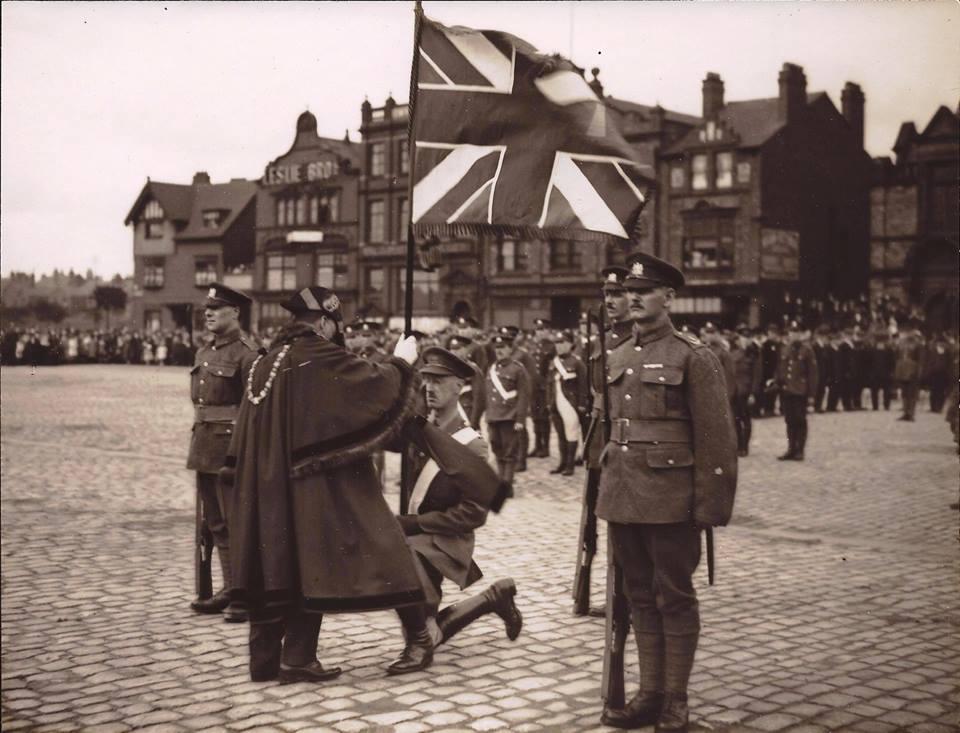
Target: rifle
(203, 555)
(587, 547)
(617, 625)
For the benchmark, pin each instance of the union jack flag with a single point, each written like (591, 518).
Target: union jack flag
(511, 141)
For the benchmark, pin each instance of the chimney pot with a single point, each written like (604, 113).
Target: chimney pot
(793, 91)
(852, 106)
(201, 177)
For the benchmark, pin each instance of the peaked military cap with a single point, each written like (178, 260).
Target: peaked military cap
(613, 277)
(367, 327)
(563, 336)
(315, 299)
(502, 338)
(647, 271)
(443, 363)
(743, 329)
(510, 331)
(466, 322)
(219, 295)
(794, 326)
(418, 335)
(708, 327)
(458, 342)
(541, 323)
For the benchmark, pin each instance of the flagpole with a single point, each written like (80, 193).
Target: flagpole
(405, 466)
(411, 159)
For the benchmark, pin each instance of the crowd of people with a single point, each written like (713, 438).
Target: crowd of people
(55, 346)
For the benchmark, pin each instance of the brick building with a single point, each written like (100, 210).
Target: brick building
(186, 236)
(766, 203)
(306, 223)
(915, 226)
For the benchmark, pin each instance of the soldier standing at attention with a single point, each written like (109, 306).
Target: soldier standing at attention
(715, 342)
(522, 355)
(540, 408)
(669, 470)
(567, 394)
(216, 388)
(769, 353)
(747, 373)
(508, 399)
(909, 368)
(797, 378)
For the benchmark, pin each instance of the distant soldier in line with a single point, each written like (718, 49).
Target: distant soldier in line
(440, 521)
(880, 377)
(747, 379)
(508, 399)
(821, 346)
(472, 402)
(797, 380)
(522, 355)
(770, 353)
(847, 376)
(367, 333)
(714, 341)
(669, 469)
(862, 355)
(909, 369)
(542, 352)
(217, 381)
(833, 370)
(937, 370)
(567, 395)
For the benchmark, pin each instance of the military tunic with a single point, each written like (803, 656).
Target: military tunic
(507, 403)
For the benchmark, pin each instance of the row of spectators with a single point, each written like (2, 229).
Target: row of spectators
(50, 347)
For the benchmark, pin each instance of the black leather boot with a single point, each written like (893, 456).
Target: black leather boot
(214, 604)
(568, 452)
(416, 655)
(235, 612)
(498, 598)
(675, 716)
(642, 710)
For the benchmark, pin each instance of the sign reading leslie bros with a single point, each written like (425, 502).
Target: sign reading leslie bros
(316, 170)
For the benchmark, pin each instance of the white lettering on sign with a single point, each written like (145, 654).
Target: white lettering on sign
(316, 170)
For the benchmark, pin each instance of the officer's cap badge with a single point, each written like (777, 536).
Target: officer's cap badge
(612, 277)
(636, 269)
(331, 302)
(212, 293)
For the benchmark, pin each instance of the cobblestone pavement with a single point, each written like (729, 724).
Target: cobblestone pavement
(835, 606)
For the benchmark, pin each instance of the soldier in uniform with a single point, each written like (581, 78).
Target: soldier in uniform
(715, 342)
(367, 333)
(217, 381)
(769, 353)
(472, 400)
(441, 517)
(521, 355)
(669, 469)
(909, 368)
(747, 379)
(567, 395)
(542, 353)
(507, 388)
(880, 378)
(797, 379)
(820, 348)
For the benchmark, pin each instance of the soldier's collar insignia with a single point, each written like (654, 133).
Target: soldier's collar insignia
(637, 269)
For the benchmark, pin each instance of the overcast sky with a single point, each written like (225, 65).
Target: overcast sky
(98, 96)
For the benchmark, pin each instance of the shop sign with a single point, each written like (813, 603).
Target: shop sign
(316, 170)
(779, 254)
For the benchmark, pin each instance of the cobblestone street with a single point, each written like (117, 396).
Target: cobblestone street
(835, 608)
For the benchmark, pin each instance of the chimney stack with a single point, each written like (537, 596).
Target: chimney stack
(793, 91)
(851, 102)
(201, 177)
(712, 95)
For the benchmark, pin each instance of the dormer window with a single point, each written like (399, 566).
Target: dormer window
(153, 220)
(212, 218)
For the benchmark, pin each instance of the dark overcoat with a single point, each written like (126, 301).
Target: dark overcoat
(309, 522)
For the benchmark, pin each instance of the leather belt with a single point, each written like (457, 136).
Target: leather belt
(215, 413)
(623, 431)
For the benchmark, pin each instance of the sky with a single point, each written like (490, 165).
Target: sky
(96, 97)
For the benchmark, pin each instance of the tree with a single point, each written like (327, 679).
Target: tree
(110, 298)
(47, 311)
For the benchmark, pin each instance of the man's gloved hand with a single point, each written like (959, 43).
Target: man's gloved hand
(406, 349)
(409, 524)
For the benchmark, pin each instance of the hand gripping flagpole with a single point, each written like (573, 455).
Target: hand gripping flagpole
(405, 478)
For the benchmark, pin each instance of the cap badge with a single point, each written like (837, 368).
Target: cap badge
(637, 269)
(212, 293)
(612, 277)
(331, 302)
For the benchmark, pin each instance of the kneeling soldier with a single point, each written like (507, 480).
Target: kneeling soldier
(440, 521)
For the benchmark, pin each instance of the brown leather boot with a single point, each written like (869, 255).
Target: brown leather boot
(416, 655)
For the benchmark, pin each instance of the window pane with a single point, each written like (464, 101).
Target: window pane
(743, 172)
(375, 221)
(404, 156)
(724, 170)
(314, 210)
(699, 172)
(334, 205)
(377, 159)
(375, 280)
(281, 213)
(676, 177)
